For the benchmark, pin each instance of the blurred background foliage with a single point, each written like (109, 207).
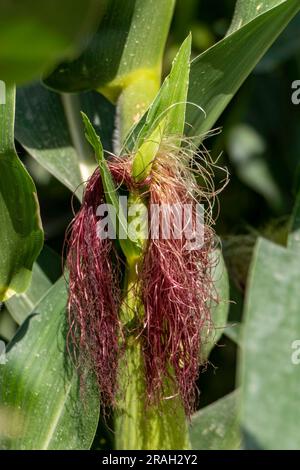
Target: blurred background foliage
(258, 140)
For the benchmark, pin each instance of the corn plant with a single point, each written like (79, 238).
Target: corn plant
(116, 339)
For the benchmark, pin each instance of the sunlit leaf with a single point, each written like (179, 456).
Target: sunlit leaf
(46, 270)
(116, 61)
(116, 56)
(166, 115)
(247, 11)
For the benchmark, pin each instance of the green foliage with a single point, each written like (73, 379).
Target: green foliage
(116, 55)
(116, 62)
(170, 104)
(220, 309)
(268, 374)
(130, 249)
(216, 427)
(166, 115)
(39, 386)
(46, 270)
(52, 132)
(115, 73)
(34, 37)
(21, 236)
(246, 11)
(8, 326)
(217, 74)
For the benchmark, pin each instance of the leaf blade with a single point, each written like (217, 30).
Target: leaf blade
(115, 57)
(43, 130)
(270, 327)
(166, 115)
(216, 427)
(21, 236)
(36, 364)
(130, 249)
(217, 74)
(219, 310)
(245, 12)
(20, 306)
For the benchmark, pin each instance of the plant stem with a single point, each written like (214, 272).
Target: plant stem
(138, 426)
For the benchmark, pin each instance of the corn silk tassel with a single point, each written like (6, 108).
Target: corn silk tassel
(138, 318)
(167, 294)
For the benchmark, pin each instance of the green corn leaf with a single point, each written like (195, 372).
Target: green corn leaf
(116, 61)
(145, 154)
(166, 116)
(39, 391)
(217, 74)
(50, 129)
(116, 56)
(21, 235)
(95, 142)
(269, 362)
(170, 102)
(35, 35)
(46, 270)
(129, 248)
(247, 11)
(216, 427)
(21, 305)
(110, 189)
